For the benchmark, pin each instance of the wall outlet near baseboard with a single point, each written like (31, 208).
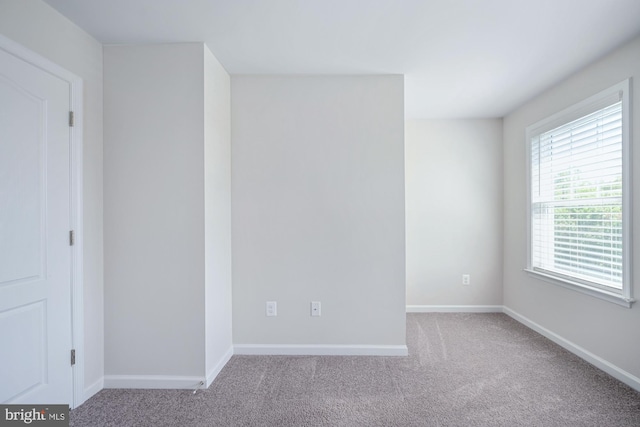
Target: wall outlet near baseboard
(315, 308)
(466, 279)
(272, 308)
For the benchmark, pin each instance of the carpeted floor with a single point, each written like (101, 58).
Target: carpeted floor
(462, 370)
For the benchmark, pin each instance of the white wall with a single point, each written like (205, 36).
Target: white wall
(154, 210)
(605, 330)
(454, 212)
(167, 215)
(318, 209)
(43, 30)
(217, 206)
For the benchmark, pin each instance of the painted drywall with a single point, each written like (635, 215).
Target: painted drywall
(217, 213)
(38, 27)
(154, 210)
(453, 172)
(167, 215)
(604, 329)
(318, 209)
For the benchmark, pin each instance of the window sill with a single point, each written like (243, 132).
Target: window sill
(576, 286)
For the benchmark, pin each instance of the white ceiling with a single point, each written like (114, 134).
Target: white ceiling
(460, 58)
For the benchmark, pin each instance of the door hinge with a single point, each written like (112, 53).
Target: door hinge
(71, 119)
(73, 357)
(71, 238)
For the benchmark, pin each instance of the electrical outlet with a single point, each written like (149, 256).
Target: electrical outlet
(272, 308)
(466, 279)
(315, 308)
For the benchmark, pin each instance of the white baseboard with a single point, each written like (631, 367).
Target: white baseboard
(94, 388)
(454, 309)
(152, 381)
(213, 373)
(321, 350)
(159, 381)
(608, 367)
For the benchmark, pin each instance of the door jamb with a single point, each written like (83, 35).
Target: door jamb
(76, 203)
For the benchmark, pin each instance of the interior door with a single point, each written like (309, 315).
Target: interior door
(35, 255)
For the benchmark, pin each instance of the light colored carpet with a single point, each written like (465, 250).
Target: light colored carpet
(462, 370)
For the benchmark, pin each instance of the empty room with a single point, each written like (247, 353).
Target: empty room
(319, 213)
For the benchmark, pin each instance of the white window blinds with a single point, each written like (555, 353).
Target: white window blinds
(576, 198)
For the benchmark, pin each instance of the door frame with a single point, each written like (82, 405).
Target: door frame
(76, 203)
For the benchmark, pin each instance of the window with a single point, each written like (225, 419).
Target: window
(579, 197)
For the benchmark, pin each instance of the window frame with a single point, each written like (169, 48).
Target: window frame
(594, 103)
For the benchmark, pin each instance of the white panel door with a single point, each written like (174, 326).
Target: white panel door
(35, 256)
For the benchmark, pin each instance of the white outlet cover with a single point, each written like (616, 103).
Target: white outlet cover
(315, 308)
(271, 308)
